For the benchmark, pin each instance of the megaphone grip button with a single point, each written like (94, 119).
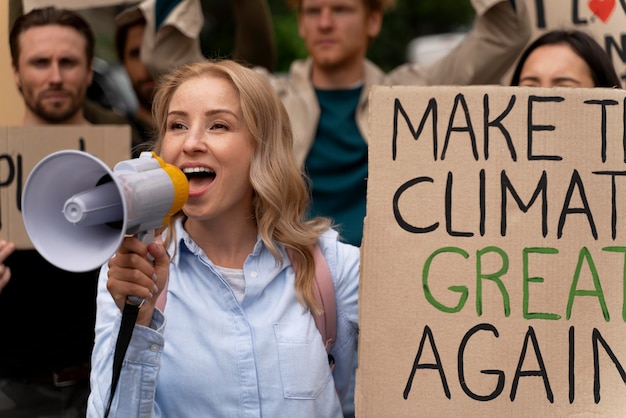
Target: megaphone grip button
(134, 300)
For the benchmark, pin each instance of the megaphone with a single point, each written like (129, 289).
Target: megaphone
(76, 211)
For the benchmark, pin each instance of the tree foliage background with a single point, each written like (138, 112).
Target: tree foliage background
(408, 20)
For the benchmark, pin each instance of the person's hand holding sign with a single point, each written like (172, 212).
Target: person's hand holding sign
(6, 248)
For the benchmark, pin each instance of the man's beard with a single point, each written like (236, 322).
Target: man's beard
(54, 114)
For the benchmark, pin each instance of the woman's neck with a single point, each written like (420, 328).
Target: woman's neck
(227, 244)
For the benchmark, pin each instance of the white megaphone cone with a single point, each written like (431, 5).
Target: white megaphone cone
(77, 211)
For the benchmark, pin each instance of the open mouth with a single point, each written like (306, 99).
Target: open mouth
(192, 172)
(197, 176)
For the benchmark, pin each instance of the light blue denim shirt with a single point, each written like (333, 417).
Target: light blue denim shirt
(212, 356)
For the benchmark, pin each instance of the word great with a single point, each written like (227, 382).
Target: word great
(584, 262)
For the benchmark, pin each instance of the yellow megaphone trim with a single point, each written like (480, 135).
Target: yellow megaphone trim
(180, 183)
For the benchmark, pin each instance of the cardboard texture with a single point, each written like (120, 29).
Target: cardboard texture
(21, 148)
(494, 254)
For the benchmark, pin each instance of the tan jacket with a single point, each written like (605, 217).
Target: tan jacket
(492, 46)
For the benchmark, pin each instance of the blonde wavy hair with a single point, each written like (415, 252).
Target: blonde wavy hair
(372, 5)
(281, 196)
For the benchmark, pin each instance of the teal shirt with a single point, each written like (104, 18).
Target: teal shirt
(337, 164)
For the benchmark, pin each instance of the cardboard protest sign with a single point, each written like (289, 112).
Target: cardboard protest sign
(604, 19)
(494, 254)
(21, 148)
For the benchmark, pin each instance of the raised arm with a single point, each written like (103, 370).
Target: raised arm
(500, 32)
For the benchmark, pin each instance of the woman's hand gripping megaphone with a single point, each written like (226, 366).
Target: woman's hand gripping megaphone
(152, 249)
(137, 275)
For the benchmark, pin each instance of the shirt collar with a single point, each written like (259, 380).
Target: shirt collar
(184, 242)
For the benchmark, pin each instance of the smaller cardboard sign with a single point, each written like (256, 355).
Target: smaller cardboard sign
(21, 148)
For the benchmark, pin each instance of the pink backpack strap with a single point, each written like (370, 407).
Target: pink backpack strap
(160, 303)
(324, 291)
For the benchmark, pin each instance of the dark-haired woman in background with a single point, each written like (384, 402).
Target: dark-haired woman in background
(565, 58)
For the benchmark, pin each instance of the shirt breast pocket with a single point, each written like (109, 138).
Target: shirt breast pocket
(303, 362)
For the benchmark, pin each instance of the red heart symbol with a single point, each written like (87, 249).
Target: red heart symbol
(602, 8)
